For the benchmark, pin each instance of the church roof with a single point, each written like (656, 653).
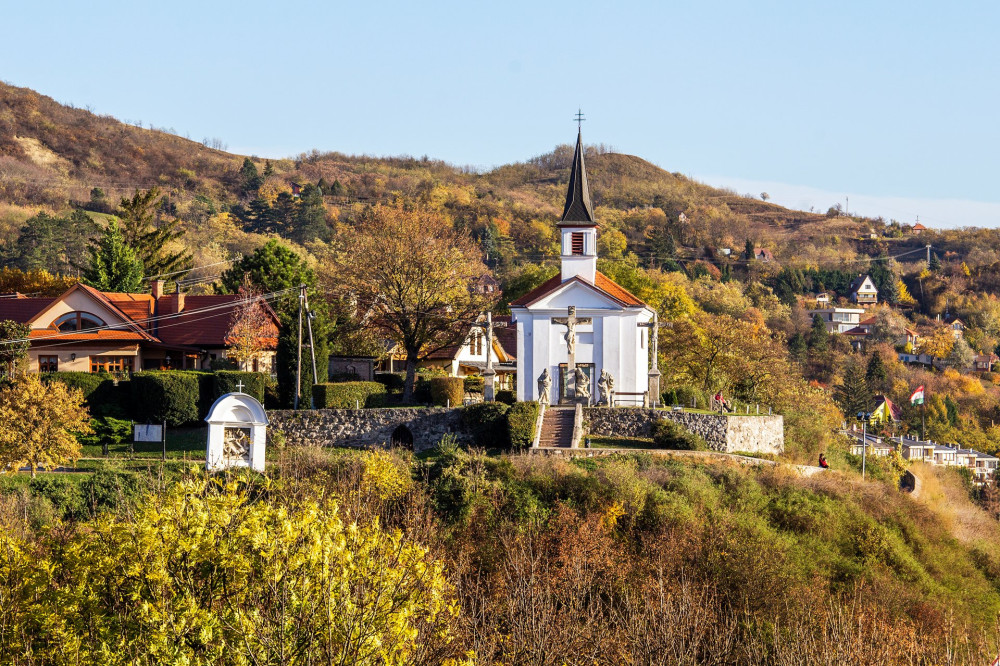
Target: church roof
(601, 283)
(578, 211)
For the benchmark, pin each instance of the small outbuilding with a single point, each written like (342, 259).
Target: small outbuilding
(237, 431)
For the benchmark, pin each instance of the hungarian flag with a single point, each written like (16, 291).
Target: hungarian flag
(996, 662)
(918, 396)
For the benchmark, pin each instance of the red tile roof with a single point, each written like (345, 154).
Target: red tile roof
(602, 282)
(22, 309)
(139, 307)
(204, 322)
(57, 336)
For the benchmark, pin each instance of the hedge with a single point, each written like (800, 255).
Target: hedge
(103, 398)
(521, 420)
(488, 424)
(447, 391)
(475, 384)
(172, 396)
(393, 381)
(225, 381)
(506, 396)
(348, 395)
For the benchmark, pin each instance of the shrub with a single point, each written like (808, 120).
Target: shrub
(670, 435)
(684, 395)
(393, 381)
(348, 395)
(447, 390)
(65, 495)
(339, 377)
(521, 420)
(171, 396)
(107, 430)
(103, 398)
(506, 396)
(225, 381)
(110, 489)
(474, 384)
(487, 423)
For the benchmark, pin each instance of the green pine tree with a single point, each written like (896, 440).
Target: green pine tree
(113, 265)
(875, 373)
(819, 338)
(250, 179)
(797, 347)
(853, 394)
(935, 262)
(149, 237)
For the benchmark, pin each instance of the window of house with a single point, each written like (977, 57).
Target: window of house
(576, 242)
(77, 321)
(111, 363)
(48, 364)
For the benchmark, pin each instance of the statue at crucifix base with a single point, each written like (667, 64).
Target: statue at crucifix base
(544, 387)
(582, 385)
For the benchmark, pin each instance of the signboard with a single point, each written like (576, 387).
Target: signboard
(148, 433)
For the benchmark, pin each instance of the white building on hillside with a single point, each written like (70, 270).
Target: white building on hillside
(838, 320)
(610, 329)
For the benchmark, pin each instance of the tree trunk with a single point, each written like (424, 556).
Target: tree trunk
(411, 375)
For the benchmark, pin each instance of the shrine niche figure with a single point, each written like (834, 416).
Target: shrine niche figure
(236, 444)
(544, 387)
(582, 384)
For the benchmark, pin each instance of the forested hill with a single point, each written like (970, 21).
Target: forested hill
(54, 156)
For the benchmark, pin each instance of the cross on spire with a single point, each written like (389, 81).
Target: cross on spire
(579, 119)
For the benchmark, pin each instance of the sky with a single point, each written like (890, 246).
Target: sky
(890, 105)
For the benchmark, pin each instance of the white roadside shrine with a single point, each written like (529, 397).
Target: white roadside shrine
(581, 319)
(237, 432)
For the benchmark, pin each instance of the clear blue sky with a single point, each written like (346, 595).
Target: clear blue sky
(871, 99)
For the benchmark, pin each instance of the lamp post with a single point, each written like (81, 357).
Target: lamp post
(863, 417)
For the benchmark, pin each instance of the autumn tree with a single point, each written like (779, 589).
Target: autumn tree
(939, 343)
(152, 238)
(38, 422)
(113, 265)
(14, 345)
(36, 281)
(415, 270)
(250, 327)
(961, 355)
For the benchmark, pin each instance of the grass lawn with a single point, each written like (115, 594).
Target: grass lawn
(182, 444)
(597, 442)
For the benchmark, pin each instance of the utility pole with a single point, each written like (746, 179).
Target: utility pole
(928, 255)
(864, 440)
(312, 348)
(298, 362)
(489, 375)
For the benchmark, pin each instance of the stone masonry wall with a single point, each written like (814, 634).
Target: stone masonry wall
(364, 427)
(726, 433)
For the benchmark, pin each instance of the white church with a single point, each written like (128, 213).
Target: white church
(581, 319)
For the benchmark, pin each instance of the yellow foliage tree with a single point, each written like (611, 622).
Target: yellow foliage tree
(37, 424)
(34, 282)
(207, 574)
(938, 344)
(905, 298)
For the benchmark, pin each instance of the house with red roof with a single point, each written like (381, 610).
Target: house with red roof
(87, 330)
(469, 357)
(581, 319)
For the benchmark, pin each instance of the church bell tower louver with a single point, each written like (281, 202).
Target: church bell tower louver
(577, 225)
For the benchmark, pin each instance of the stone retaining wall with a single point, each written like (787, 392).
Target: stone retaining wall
(364, 427)
(726, 433)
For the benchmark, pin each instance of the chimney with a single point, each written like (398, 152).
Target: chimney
(180, 299)
(157, 288)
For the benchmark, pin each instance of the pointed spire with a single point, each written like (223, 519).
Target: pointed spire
(578, 211)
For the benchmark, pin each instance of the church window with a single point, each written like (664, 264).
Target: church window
(576, 243)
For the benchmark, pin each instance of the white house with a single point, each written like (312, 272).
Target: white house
(863, 291)
(469, 357)
(838, 320)
(610, 329)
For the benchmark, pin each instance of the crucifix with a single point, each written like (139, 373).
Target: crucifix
(489, 395)
(654, 370)
(570, 322)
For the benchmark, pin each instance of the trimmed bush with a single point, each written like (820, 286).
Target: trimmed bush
(170, 395)
(225, 381)
(108, 431)
(346, 395)
(474, 384)
(393, 381)
(488, 424)
(670, 435)
(506, 396)
(447, 390)
(340, 377)
(521, 420)
(102, 396)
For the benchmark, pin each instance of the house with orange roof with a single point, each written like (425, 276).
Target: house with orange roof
(87, 330)
(581, 320)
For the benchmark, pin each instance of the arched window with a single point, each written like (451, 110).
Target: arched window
(77, 321)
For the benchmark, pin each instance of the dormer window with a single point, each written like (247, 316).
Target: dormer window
(576, 243)
(77, 321)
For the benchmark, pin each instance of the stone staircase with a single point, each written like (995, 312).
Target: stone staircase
(557, 427)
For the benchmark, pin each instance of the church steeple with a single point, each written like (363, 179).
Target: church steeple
(577, 225)
(578, 211)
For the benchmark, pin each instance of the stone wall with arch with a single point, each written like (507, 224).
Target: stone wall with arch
(363, 428)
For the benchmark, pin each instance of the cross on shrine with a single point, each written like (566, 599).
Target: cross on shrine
(570, 322)
(239, 386)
